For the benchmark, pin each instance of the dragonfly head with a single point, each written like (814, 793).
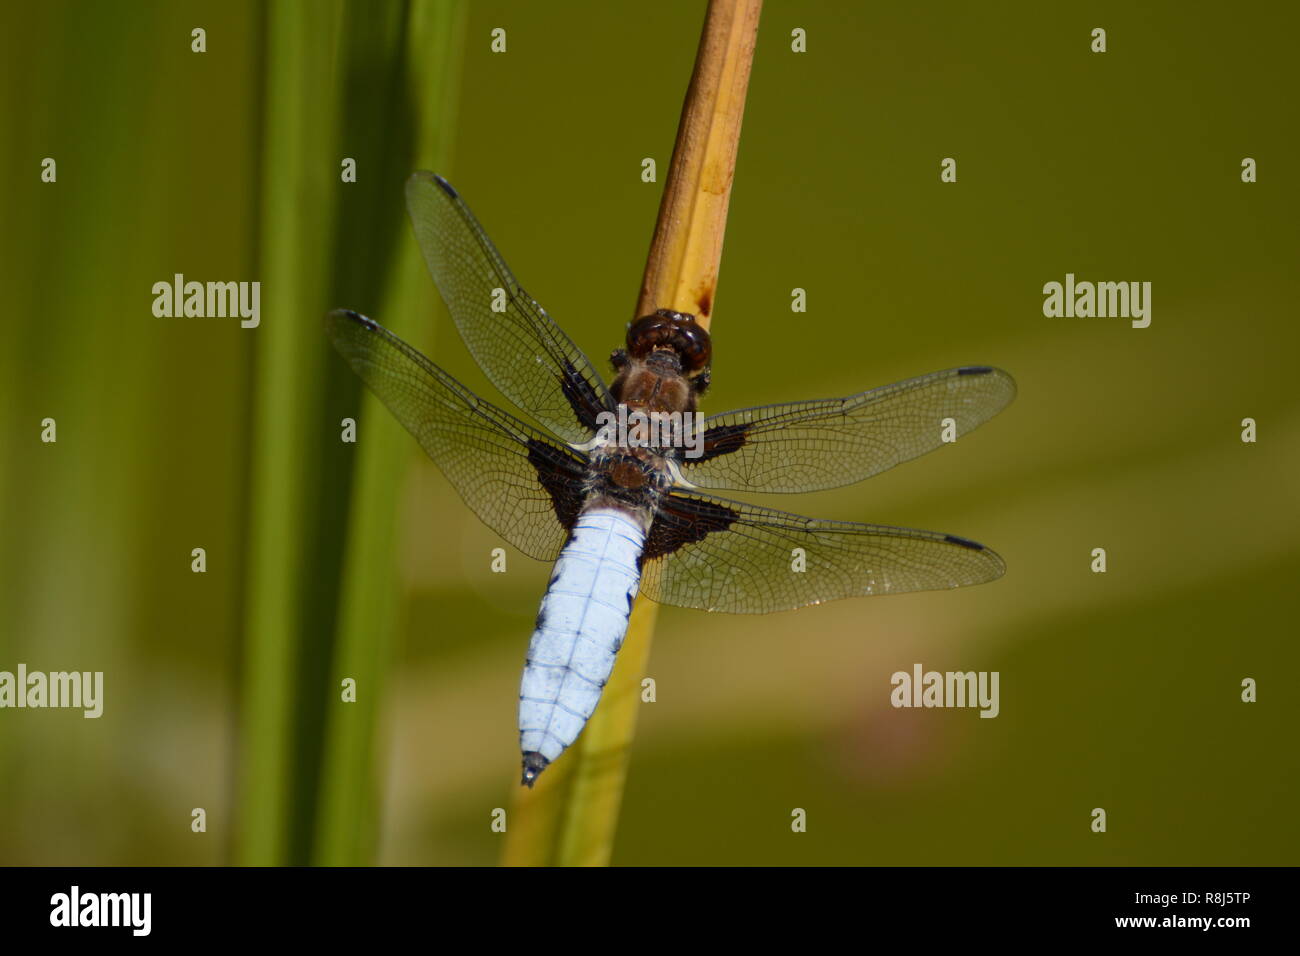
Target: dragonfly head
(678, 332)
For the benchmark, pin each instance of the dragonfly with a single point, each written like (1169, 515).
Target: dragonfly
(615, 483)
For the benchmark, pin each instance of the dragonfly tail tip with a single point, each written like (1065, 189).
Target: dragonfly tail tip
(534, 764)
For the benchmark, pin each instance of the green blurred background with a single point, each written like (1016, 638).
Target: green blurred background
(1119, 690)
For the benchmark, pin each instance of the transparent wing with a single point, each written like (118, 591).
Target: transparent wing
(720, 555)
(521, 350)
(522, 483)
(827, 443)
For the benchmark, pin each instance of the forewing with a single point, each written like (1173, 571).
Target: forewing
(525, 355)
(827, 443)
(719, 555)
(522, 483)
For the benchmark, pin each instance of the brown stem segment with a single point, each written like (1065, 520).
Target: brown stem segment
(681, 271)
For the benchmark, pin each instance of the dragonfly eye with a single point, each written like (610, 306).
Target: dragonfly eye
(676, 330)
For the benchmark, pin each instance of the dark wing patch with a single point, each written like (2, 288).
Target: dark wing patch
(826, 443)
(722, 439)
(719, 555)
(681, 521)
(562, 477)
(582, 397)
(517, 479)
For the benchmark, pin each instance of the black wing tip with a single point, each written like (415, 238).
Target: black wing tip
(534, 764)
(1007, 382)
(995, 566)
(424, 176)
(352, 316)
(964, 542)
